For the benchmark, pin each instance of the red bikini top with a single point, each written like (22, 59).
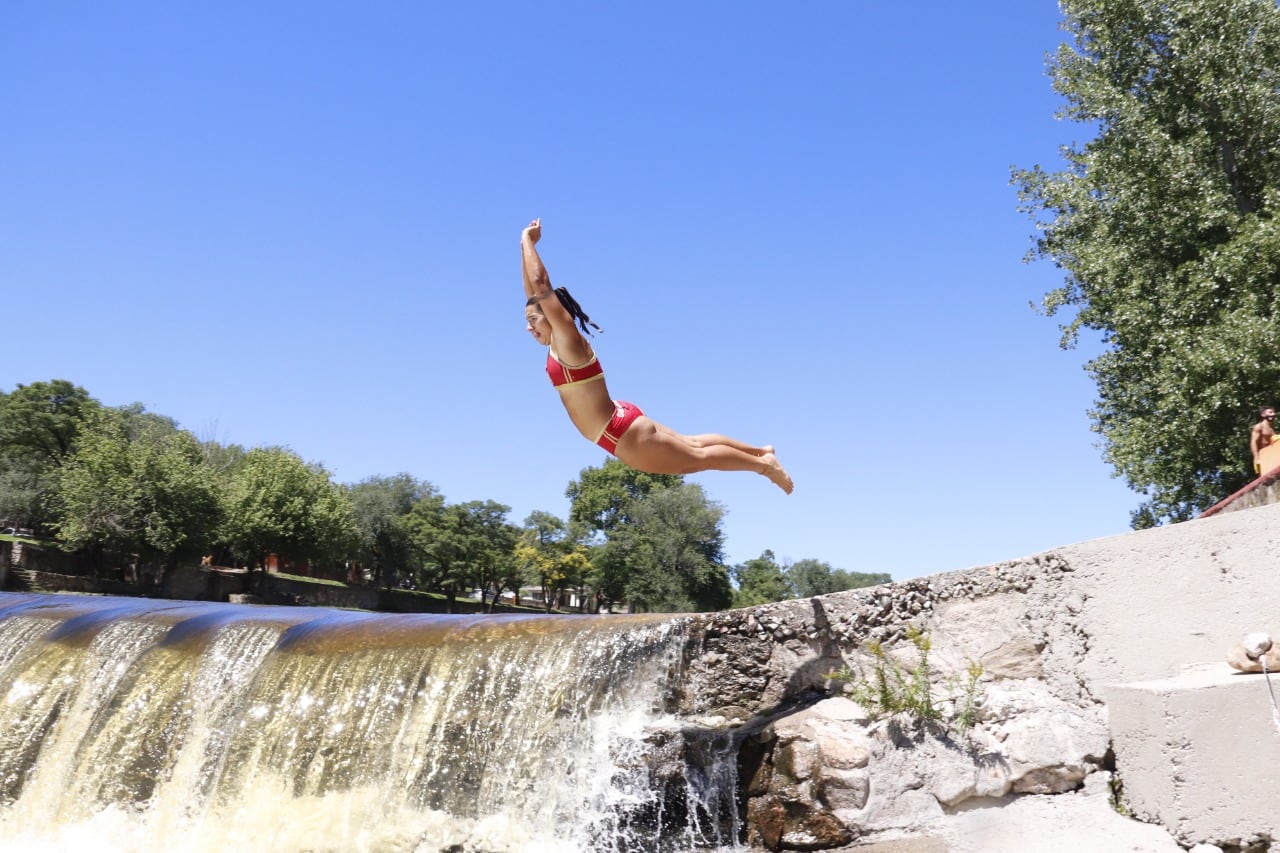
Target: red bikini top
(562, 374)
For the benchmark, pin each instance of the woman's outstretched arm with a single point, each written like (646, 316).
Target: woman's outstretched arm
(569, 342)
(536, 281)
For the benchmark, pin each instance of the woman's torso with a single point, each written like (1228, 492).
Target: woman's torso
(587, 401)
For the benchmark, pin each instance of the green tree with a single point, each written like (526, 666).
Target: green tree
(601, 498)
(609, 573)
(275, 503)
(495, 563)
(545, 529)
(136, 485)
(44, 418)
(760, 581)
(422, 525)
(809, 577)
(39, 424)
(457, 543)
(763, 580)
(542, 544)
(535, 564)
(556, 569)
(554, 556)
(505, 574)
(573, 571)
(25, 489)
(1164, 224)
(380, 506)
(601, 505)
(673, 549)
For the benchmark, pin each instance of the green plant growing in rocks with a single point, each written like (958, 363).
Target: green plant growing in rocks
(891, 689)
(1116, 786)
(968, 701)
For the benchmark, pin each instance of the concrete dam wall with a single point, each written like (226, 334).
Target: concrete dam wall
(1061, 637)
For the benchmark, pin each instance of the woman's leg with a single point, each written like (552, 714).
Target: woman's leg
(711, 438)
(656, 449)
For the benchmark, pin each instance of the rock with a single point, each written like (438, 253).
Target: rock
(843, 789)
(1256, 645)
(817, 831)
(1018, 658)
(797, 760)
(991, 782)
(1240, 658)
(779, 824)
(895, 810)
(981, 771)
(1051, 751)
(766, 821)
(1051, 780)
(841, 753)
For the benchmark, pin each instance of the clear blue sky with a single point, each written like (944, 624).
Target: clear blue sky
(297, 223)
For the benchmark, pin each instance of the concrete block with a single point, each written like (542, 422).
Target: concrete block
(1198, 753)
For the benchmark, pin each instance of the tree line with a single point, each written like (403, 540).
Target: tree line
(121, 484)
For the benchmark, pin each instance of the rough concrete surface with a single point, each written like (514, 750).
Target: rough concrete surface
(1151, 605)
(1160, 600)
(1199, 753)
(1053, 633)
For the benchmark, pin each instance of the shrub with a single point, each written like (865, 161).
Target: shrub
(890, 689)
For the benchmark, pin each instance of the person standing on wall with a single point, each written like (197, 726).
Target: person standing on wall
(1262, 435)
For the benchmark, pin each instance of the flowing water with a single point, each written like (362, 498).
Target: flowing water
(142, 725)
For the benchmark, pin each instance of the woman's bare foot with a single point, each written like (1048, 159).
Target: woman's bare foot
(775, 472)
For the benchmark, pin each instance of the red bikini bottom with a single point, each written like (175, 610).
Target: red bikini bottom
(624, 415)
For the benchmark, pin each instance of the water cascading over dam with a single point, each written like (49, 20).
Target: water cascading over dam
(143, 725)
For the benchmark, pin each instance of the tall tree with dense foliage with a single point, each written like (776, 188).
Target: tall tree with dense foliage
(380, 506)
(551, 558)
(554, 557)
(542, 543)
(673, 549)
(760, 581)
(137, 485)
(39, 425)
(601, 504)
(1164, 224)
(601, 498)
(275, 503)
(456, 544)
(44, 418)
(494, 560)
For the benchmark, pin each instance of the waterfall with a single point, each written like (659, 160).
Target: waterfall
(144, 725)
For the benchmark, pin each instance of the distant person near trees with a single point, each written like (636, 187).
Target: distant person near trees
(1262, 435)
(553, 317)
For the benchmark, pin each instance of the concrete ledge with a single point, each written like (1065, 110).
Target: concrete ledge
(1198, 754)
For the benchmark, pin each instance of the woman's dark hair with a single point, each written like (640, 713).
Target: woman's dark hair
(571, 305)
